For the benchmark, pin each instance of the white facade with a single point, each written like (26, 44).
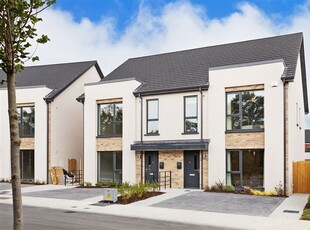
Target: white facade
(33, 95)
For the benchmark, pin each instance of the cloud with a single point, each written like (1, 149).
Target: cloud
(176, 26)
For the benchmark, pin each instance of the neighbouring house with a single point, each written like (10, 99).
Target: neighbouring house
(50, 120)
(307, 144)
(225, 112)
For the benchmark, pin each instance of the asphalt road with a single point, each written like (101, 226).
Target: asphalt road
(51, 219)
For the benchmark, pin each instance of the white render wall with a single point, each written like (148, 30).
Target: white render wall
(171, 117)
(110, 90)
(296, 134)
(67, 122)
(273, 122)
(25, 95)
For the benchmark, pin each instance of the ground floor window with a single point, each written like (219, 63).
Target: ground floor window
(27, 164)
(245, 168)
(110, 166)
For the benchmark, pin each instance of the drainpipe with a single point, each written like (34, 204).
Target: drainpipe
(284, 130)
(201, 134)
(47, 141)
(141, 120)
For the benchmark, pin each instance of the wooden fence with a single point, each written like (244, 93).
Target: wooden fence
(301, 177)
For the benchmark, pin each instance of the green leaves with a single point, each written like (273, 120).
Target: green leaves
(17, 29)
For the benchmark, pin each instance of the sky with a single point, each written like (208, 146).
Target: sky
(111, 31)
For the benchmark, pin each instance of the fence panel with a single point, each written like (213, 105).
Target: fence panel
(301, 177)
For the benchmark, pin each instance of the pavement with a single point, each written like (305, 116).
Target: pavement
(175, 205)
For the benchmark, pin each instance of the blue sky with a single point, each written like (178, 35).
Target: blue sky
(123, 11)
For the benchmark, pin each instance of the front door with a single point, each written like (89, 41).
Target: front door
(27, 165)
(151, 166)
(191, 169)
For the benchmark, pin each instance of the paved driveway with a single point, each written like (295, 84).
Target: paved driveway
(223, 203)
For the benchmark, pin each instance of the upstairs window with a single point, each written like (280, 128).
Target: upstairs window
(190, 114)
(245, 110)
(26, 121)
(152, 116)
(110, 119)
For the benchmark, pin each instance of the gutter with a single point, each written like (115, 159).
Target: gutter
(201, 133)
(48, 137)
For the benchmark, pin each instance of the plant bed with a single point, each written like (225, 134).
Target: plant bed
(132, 199)
(306, 213)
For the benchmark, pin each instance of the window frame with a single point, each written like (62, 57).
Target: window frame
(153, 119)
(191, 117)
(114, 170)
(21, 123)
(114, 122)
(240, 114)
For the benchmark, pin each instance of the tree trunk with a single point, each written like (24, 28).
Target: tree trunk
(15, 162)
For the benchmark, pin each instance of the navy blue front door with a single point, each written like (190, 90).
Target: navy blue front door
(191, 169)
(151, 166)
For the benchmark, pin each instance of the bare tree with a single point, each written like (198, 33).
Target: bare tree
(18, 19)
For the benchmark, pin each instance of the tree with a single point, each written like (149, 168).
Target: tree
(18, 19)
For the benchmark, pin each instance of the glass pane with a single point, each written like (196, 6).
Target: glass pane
(118, 112)
(253, 168)
(233, 103)
(118, 176)
(152, 109)
(105, 168)
(191, 107)
(118, 161)
(152, 127)
(191, 125)
(118, 128)
(27, 121)
(233, 123)
(27, 164)
(106, 119)
(235, 180)
(253, 109)
(232, 161)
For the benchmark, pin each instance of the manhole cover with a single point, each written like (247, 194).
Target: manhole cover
(69, 212)
(291, 211)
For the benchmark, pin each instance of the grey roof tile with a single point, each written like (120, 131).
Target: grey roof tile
(56, 76)
(191, 67)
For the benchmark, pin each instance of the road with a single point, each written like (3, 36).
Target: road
(51, 219)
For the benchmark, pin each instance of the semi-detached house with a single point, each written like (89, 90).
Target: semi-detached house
(50, 120)
(232, 112)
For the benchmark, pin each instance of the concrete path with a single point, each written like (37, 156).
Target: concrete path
(145, 209)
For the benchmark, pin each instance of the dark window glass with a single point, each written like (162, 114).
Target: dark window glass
(152, 116)
(190, 115)
(27, 165)
(245, 168)
(110, 119)
(110, 166)
(26, 121)
(245, 110)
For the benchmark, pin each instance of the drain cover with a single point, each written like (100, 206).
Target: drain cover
(291, 211)
(69, 212)
(4, 198)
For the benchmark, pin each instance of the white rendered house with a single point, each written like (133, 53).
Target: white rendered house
(51, 127)
(232, 112)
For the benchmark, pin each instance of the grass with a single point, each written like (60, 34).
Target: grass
(306, 214)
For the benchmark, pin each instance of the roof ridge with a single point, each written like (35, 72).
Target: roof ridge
(65, 63)
(212, 46)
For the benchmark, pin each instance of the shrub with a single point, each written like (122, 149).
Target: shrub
(229, 188)
(279, 189)
(99, 184)
(262, 193)
(38, 182)
(88, 184)
(207, 188)
(220, 185)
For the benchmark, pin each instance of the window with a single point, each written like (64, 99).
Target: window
(245, 168)
(110, 119)
(190, 114)
(245, 110)
(27, 164)
(307, 148)
(110, 166)
(26, 121)
(152, 116)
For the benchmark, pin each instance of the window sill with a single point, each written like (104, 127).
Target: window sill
(151, 134)
(108, 136)
(245, 131)
(26, 136)
(192, 133)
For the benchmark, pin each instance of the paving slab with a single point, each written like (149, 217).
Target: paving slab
(223, 203)
(68, 194)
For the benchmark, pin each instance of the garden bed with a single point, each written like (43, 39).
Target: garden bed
(132, 199)
(306, 212)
